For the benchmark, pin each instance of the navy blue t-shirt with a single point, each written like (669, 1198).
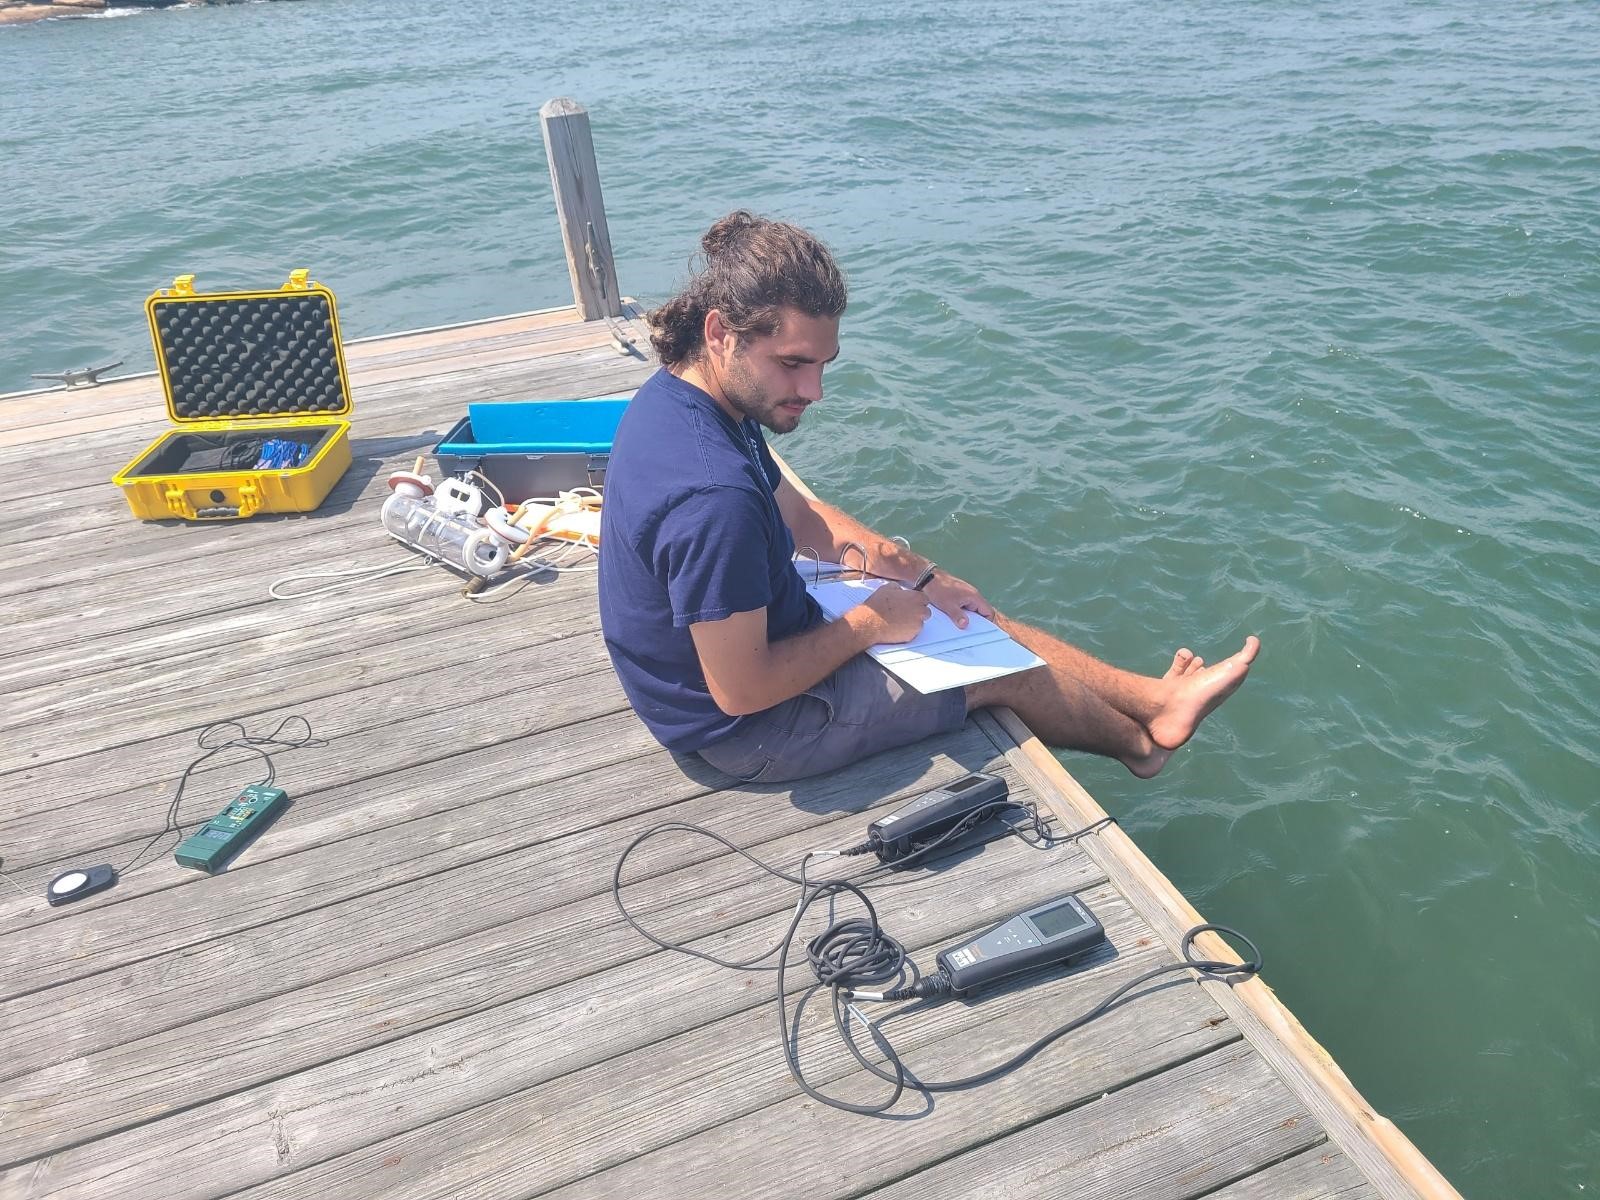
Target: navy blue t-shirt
(689, 531)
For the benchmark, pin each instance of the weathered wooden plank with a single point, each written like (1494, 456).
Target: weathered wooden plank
(227, 595)
(105, 619)
(340, 795)
(184, 694)
(1320, 1173)
(120, 798)
(731, 1066)
(1173, 1136)
(46, 658)
(82, 1097)
(157, 993)
(1382, 1153)
(131, 548)
(754, 1154)
(361, 845)
(460, 359)
(148, 700)
(561, 1028)
(550, 653)
(20, 410)
(421, 348)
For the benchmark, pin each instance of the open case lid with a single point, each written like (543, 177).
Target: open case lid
(249, 356)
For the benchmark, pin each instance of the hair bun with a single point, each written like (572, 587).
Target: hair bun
(728, 231)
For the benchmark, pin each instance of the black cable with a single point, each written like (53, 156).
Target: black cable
(1206, 968)
(244, 741)
(241, 454)
(872, 877)
(1039, 829)
(877, 953)
(855, 953)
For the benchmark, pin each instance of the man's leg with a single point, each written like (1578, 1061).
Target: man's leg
(1077, 702)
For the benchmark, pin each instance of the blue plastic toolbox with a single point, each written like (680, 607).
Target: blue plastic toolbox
(532, 448)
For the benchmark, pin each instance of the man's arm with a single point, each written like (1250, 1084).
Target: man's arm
(827, 530)
(745, 673)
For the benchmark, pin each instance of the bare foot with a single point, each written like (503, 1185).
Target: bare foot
(1147, 766)
(1195, 693)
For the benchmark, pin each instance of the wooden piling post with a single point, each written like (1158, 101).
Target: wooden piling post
(575, 179)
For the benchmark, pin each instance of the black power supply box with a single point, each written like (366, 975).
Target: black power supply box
(935, 813)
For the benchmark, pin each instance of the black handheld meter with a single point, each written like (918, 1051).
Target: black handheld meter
(934, 813)
(1040, 937)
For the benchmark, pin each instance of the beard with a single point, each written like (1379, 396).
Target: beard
(745, 393)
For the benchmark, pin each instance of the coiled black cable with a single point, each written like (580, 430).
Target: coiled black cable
(248, 742)
(1228, 972)
(854, 953)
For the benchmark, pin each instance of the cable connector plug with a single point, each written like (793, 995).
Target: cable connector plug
(929, 987)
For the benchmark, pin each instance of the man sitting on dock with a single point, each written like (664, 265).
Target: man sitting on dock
(718, 645)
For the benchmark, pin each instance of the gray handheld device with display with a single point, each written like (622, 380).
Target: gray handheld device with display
(1039, 937)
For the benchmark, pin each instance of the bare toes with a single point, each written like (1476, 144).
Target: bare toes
(1180, 663)
(1195, 664)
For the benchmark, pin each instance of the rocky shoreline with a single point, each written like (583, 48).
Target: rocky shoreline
(17, 12)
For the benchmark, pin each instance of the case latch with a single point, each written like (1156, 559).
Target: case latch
(179, 504)
(299, 280)
(183, 285)
(178, 501)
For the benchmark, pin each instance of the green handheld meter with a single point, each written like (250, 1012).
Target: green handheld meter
(211, 846)
(1042, 936)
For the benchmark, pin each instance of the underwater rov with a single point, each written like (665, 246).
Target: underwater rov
(444, 524)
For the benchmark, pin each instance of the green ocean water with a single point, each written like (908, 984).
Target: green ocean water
(1169, 324)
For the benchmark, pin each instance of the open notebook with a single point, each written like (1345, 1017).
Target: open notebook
(942, 656)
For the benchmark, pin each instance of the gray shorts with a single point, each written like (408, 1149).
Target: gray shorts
(858, 710)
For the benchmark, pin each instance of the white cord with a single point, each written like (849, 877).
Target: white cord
(350, 578)
(489, 483)
(25, 895)
(558, 566)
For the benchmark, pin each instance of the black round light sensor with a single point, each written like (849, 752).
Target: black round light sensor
(79, 882)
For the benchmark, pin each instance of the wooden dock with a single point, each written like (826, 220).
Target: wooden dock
(416, 983)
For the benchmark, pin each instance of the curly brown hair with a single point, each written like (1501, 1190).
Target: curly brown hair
(752, 269)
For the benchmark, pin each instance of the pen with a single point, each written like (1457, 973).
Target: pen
(923, 579)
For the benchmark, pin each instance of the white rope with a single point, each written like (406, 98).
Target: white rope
(349, 578)
(558, 565)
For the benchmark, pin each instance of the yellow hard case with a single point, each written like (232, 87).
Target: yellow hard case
(238, 367)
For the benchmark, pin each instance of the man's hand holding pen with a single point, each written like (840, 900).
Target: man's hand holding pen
(951, 595)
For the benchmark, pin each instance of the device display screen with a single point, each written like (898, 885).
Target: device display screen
(1053, 922)
(962, 785)
(220, 835)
